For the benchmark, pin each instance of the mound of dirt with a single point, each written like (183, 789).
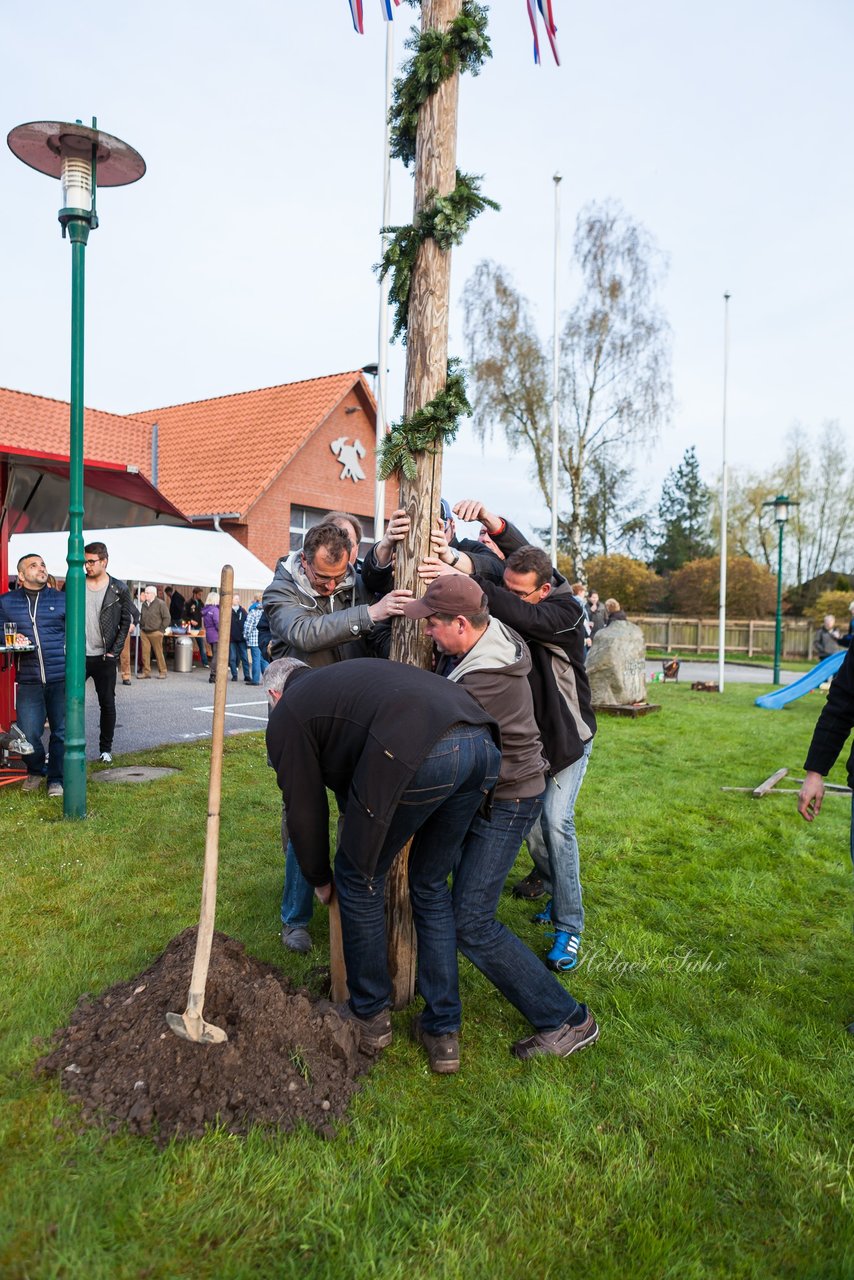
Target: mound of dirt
(288, 1058)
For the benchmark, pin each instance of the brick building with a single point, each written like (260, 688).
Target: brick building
(261, 465)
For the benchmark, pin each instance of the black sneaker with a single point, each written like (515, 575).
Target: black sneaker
(443, 1051)
(561, 1043)
(374, 1033)
(531, 887)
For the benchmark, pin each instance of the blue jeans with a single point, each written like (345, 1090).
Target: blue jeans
(34, 704)
(258, 663)
(488, 853)
(553, 844)
(443, 796)
(238, 656)
(298, 895)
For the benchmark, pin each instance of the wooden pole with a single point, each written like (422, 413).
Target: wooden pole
(426, 373)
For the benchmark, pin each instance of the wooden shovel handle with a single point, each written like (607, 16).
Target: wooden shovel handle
(204, 939)
(337, 967)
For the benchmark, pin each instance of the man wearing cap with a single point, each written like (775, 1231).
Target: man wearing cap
(405, 753)
(492, 663)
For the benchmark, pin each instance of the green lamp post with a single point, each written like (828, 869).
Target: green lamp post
(83, 159)
(781, 506)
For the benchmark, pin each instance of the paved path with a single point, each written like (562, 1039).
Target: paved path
(151, 713)
(734, 672)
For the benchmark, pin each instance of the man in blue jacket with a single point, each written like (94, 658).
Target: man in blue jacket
(38, 612)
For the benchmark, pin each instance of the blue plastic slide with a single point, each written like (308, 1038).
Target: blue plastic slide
(811, 680)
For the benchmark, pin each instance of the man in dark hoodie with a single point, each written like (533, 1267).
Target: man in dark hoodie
(538, 602)
(492, 663)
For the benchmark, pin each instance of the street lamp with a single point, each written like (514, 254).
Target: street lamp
(83, 159)
(781, 506)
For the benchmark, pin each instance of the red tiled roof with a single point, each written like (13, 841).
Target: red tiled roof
(34, 422)
(218, 456)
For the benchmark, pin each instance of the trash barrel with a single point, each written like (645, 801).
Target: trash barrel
(183, 654)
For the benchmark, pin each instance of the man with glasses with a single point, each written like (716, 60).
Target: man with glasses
(318, 611)
(108, 621)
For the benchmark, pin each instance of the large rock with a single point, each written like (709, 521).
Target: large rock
(616, 666)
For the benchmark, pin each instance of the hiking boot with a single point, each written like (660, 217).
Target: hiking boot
(443, 1051)
(564, 953)
(374, 1033)
(54, 789)
(33, 781)
(296, 938)
(561, 1042)
(105, 758)
(544, 916)
(531, 887)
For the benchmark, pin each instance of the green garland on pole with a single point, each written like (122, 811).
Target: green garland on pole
(436, 56)
(445, 220)
(436, 423)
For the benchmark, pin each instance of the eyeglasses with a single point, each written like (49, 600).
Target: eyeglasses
(521, 595)
(323, 579)
(97, 560)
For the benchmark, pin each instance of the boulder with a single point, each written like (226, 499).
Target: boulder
(616, 667)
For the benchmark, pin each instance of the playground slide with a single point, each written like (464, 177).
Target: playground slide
(805, 684)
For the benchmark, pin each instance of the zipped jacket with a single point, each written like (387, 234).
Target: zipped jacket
(835, 723)
(319, 630)
(42, 621)
(116, 616)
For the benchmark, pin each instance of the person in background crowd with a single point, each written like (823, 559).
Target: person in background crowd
(210, 622)
(614, 612)
(597, 613)
(826, 639)
(238, 654)
(153, 621)
(257, 661)
(38, 613)
(108, 620)
(193, 619)
(127, 647)
(176, 603)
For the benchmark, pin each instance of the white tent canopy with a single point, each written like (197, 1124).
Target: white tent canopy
(157, 554)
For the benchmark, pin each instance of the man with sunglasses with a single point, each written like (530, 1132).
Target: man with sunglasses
(108, 620)
(319, 611)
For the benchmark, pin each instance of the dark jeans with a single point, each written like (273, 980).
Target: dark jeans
(488, 853)
(442, 798)
(34, 704)
(238, 655)
(103, 673)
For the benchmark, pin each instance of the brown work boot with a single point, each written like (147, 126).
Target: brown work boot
(531, 887)
(374, 1033)
(443, 1051)
(561, 1042)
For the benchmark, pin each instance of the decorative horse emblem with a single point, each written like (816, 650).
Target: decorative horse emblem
(349, 455)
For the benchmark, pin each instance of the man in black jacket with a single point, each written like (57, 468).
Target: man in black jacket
(108, 620)
(403, 751)
(829, 737)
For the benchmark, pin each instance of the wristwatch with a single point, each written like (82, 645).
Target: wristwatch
(456, 557)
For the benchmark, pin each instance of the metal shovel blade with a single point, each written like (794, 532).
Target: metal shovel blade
(191, 1026)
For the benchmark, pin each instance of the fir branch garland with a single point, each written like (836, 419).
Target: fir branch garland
(436, 56)
(445, 219)
(435, 423)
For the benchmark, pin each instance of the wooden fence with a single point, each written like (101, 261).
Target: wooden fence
(749, 636)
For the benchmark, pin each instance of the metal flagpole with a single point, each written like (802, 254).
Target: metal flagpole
(722, 601)
(555, 374)
(385, 285)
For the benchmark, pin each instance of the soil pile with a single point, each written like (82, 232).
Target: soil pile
(288, 1058)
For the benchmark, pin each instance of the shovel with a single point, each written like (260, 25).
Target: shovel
(190, 1025)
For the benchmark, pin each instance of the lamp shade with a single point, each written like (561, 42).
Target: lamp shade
(50, 145)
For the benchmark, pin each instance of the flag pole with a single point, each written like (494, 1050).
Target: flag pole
(724, 514)
(385, 285)
(555, 375)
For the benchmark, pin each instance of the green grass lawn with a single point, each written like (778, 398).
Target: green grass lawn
(709, 1133)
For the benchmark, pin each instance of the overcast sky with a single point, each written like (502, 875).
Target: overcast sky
(243, 258)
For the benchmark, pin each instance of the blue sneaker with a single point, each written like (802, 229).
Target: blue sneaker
(564, 953)
(544, 916)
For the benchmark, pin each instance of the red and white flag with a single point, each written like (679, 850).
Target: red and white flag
(357, 16)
